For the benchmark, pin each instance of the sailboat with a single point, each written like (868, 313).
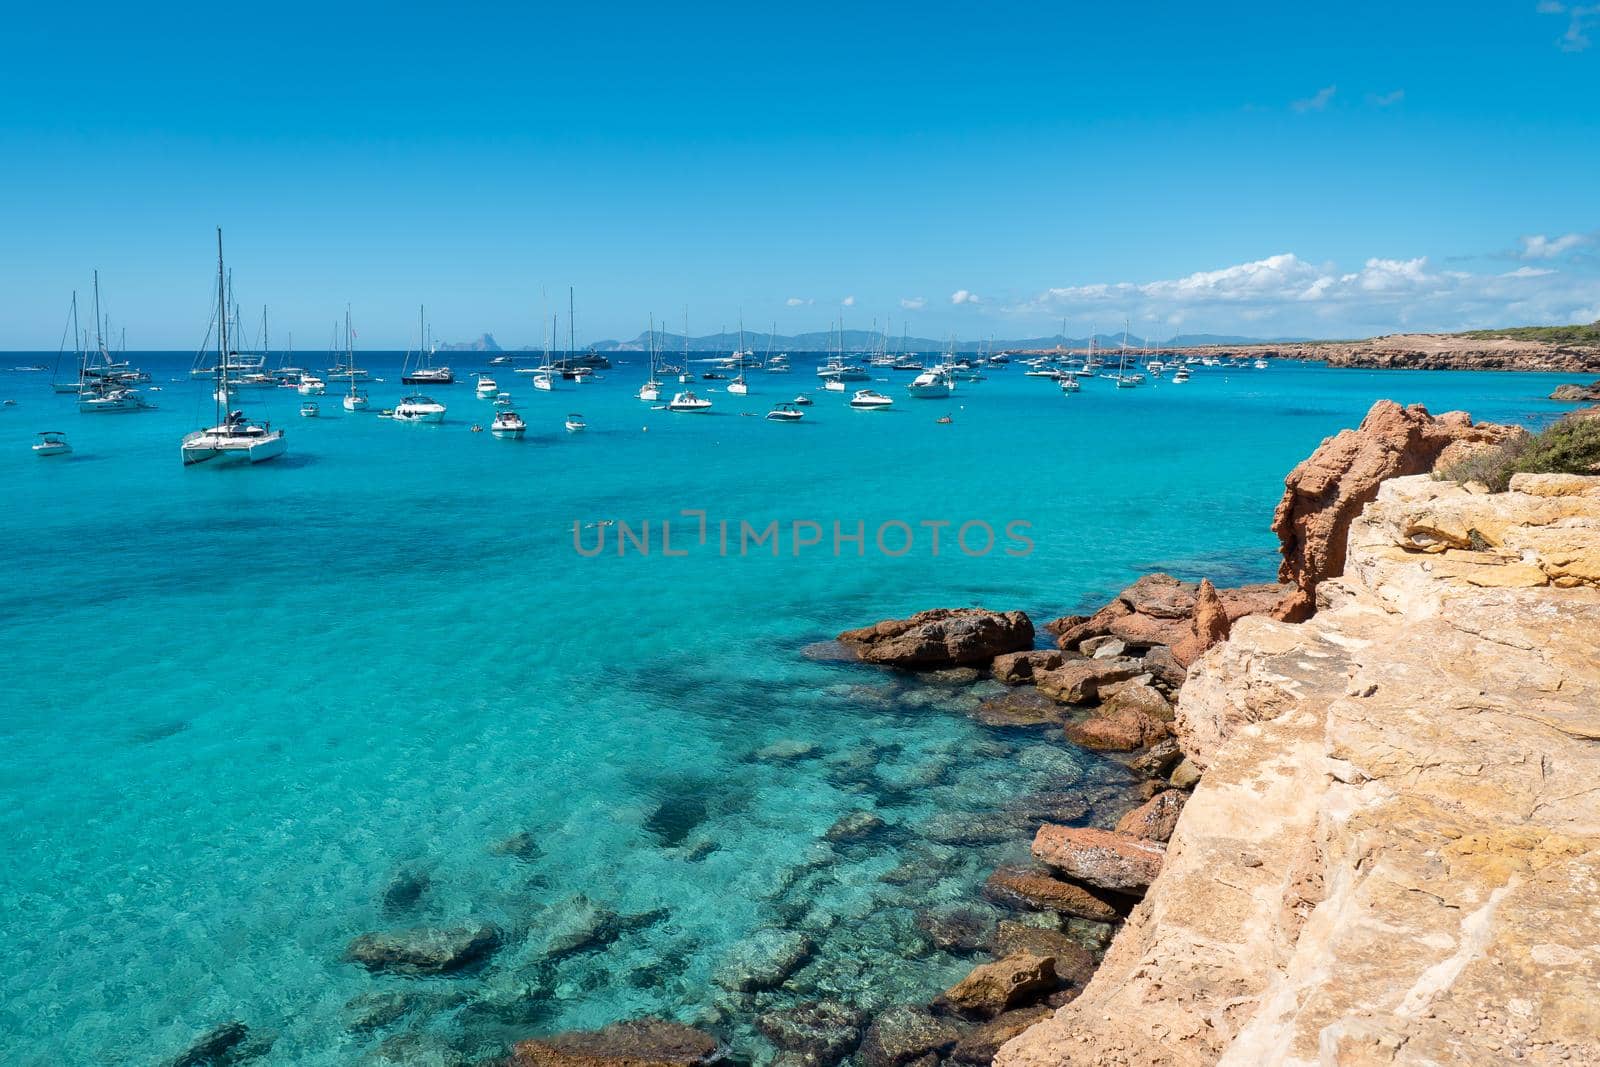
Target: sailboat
(424, 372)
(651, 389)
(234, 438)
(103, 386)
(739, 387)
(79, 354)
(355, 399)
(1124, 380)
(544, 377)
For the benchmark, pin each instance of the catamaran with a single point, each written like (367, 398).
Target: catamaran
(234, 438)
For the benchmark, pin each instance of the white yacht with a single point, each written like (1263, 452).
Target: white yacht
(650, 391)
(310, 410)
(1180, 376)
(739, 387)
(487, 387)
(575, 423)
(1070, 384)
(803, 401)
(1260, 364)
(418, 408)
(932, 384)
(834, 385)
(110, 400)
(870, 400)
(311, 385)
(785, 413)
(507, 424)
(234, 439)
(52, 443)
(688, 402)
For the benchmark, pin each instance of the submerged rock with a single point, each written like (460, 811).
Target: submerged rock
(903, 1034)
(763, 960)
(856, 826)
(521, 845)
(415, 1050)
(1158, 760)
(1019, 707)
(957, 929)
(405, 890)
(230, 1043)
(647, 1042)
(1021, 887)
(785, 750)
(1100, 858)
(1012, 982)
(943, 637)
(424, 949)
(820, 1033)
(978, 1046)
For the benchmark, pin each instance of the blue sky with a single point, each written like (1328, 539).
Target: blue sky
(1329, 170)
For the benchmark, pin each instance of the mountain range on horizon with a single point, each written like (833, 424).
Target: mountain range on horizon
(868, 341)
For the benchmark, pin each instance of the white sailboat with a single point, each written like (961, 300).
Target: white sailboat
(739, 387)
(650, 391)
(234, 438)
(355, 399)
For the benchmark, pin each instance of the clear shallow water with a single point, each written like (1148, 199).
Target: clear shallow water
(240, 703)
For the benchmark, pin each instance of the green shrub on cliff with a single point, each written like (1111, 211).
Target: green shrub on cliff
(1561, 335)
(1571, 446)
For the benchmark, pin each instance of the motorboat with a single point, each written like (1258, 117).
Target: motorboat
(834, 385)
(1260, 364)
(418, 408)
(502, 400)
(506, 424)
(650, 390)
(311, 385)
(803, 401)
(309, 410)
(844, 372)
(932, 384)
(52, 443)
(1180, 376)
(575, 423)
(1070, 384)
(487, 387)
(909, 364)
(501, 361)
(785, 413)
(688, 402)
(108, 400)
(870, 400)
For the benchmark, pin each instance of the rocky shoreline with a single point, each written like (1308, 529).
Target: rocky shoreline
(1110, 934)
(1447, 352)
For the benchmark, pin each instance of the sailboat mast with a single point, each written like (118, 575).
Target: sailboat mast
(266, 340)
(571, 328)
(222, 330)
(99, 338)
(77, 340)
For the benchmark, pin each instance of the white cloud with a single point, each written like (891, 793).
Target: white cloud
(964, 296)
(1317, 101)
(848, 302)
(914, 303)
(795, 302)
(1579, 17)
(1285, 294)
(1386, 99)
(1538, 246)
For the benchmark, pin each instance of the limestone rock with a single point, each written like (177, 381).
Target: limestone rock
(1101, 858)
(1156, 818)
(1209, 626)
(1141, 697)
(636, 1043)
(1016, 668)
(1079, 681)
(1325, 493)
(1116, 730)
(1074, 963)
(991, 988)
(1394, 852)
(943, 637)
(424, 949)
(1021, 887)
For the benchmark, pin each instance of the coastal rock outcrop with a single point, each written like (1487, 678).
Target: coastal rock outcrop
(1105, 859)
(1325, 493)
(1021, 887)
(1586, 394)
(636, 1043)
(1209, 626)
(1011, 982)
(1159, 610)
(1394, 853)
(942, 637)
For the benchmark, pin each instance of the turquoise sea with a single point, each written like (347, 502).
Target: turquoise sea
(250, 714)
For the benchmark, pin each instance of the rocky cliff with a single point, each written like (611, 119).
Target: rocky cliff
(1432, 351)
(1393, 855)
